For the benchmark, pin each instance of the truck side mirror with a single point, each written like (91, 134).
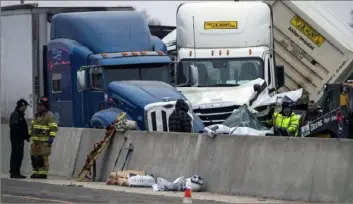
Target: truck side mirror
(257, 87)
(279, 72)
(81, 80)
(260, 87)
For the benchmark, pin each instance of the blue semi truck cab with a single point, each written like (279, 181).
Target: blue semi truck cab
(103, 63)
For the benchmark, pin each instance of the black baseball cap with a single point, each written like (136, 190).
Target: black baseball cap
(22, 102)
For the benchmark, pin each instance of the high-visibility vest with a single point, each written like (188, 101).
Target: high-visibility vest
(43, 127)
(291, 123)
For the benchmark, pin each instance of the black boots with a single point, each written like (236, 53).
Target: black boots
(17, 176)
(38, 176)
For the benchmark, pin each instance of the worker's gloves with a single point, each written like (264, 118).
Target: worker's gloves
(51, 140)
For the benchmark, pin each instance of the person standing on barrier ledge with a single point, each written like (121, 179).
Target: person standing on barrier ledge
(18, 134)
(180, 120)
(42, 131)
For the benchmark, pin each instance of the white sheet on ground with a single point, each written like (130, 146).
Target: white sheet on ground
(140, 181)
(194, 183)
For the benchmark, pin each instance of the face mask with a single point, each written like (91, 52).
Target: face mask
(286, 111)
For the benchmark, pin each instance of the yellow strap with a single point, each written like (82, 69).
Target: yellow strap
(40, 139)
(42, 127)
(52, 134)
(53, 125)
(43, 172)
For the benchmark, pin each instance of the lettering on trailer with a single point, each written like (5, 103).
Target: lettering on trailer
(209, 25)
(316, 125)
(307, 30)
(57, 54)
(298, 53)
(306, 130)
(309, 45)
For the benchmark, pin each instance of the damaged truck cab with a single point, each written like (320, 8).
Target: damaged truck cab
(116, 66)
(222, 48)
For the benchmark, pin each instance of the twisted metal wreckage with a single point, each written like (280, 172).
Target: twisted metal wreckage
(246, 120)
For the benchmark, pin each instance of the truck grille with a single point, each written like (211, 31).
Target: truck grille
(157, 115)
(211, 116)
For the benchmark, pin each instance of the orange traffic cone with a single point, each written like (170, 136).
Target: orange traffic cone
(187, 196)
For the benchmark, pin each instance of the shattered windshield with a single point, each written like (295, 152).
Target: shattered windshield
(242, 117)
(148, 72)
(218, 72)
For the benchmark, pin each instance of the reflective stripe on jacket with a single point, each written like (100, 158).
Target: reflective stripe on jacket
(291, 123)
(43, 127)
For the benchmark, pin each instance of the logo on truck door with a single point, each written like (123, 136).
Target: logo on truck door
(307, 30)
(209, 25)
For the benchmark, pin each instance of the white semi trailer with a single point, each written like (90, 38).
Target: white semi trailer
(314, 46)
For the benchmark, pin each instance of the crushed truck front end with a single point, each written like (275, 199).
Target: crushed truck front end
(219, 50)
(137, 83)
(220, 87)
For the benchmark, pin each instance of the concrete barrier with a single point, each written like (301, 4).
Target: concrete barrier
(317, 170)
(111, 156)
(277, 167)
(64, 152)
(62, 160)
(105, 163)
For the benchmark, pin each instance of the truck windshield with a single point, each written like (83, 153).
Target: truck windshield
(219, 72)
(148, 72)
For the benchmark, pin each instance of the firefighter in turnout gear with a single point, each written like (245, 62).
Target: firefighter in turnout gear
(42, 132)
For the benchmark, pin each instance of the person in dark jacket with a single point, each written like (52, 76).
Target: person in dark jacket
(180, 120)
(18, 134)
(311, 114)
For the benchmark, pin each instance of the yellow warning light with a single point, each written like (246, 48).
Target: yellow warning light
(190, 53)
(227, 52)
(220, 52)
(212, 52)
(250, 51)
(125, 54)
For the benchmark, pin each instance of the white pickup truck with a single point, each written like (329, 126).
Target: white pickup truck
(313, 45)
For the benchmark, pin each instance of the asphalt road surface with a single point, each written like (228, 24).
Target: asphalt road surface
(16, 191)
